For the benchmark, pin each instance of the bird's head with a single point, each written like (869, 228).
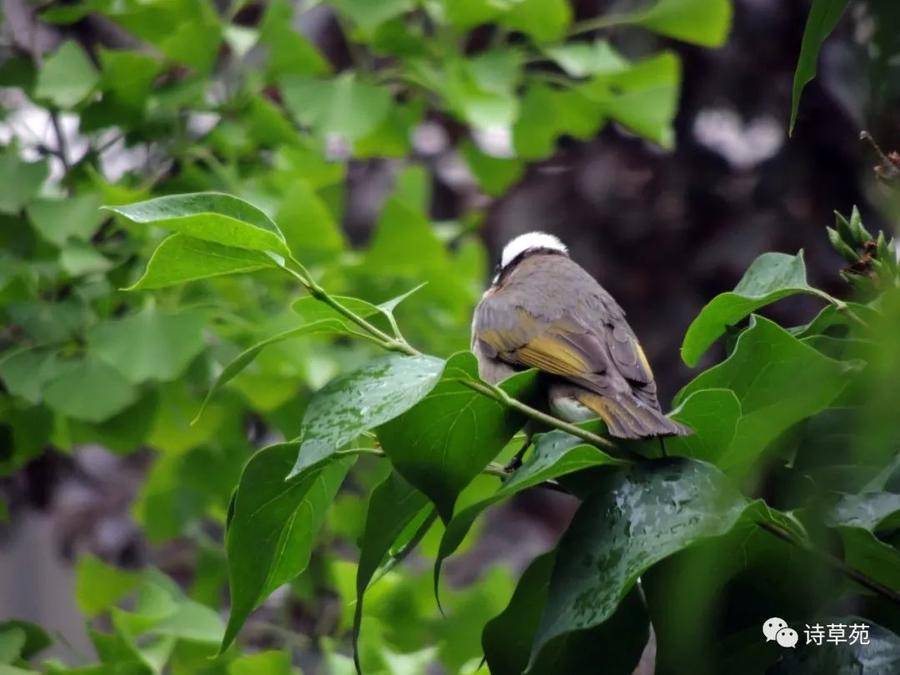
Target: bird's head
(525, 245)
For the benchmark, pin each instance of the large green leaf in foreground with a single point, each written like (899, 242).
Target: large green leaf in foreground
(635, 518)
(273, 526)
(771, 277)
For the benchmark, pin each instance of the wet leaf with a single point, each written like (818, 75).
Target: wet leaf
(869, 510)
(635, 518)
(448, 437)
(273, 526)
(210, 216)
(361, 400)
(771, 277)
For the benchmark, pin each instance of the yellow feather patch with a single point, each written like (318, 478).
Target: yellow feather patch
(553, 356)
(643, 358)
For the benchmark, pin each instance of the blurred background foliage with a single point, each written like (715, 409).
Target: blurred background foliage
(395, 142)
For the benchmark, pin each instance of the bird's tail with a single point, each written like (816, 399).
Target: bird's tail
(629, 417)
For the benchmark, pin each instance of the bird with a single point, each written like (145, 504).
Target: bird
(544, 311)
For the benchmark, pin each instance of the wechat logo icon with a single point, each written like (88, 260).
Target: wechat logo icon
(778, 630)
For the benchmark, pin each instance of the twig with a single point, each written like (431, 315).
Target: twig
(61, 145)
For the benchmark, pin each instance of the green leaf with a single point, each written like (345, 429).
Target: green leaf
(343, 106)
(404, 243)
(88, 389)
(273, 526)
(36, 638)
(78, 258)
(494, 174)
(542, 20)
(57, 220)
(713, 414)
(210, 216)
(289, 52)
(466, 14)
(701, 22)
(246, 357)
(388, 306)
(180, 258)
(581, 59)
(20, 181)
(823, 17)
(635, 518)
(66, 77)
(856, 518)
(128, 77)
(778, 381)
(361, 400)
(367, 16)
(771, 277)
(393, 505)
(555, 454)
(310, 230)
(25, 372)
(262, 663)
(99, 586)
(12, 640)
(880, 656)
(311, 310)
(481, 90)
(645, 97)
(448, 437)
(149, 345)
(614, 648)
(876, 559)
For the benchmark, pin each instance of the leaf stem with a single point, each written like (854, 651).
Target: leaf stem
(598, 23)
(843, 308)
(834, 562)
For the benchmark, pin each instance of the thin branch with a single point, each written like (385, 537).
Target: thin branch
(833, 562)
(62, 148)
(598, 23)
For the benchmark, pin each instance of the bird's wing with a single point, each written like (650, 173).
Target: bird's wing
(585, 339)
